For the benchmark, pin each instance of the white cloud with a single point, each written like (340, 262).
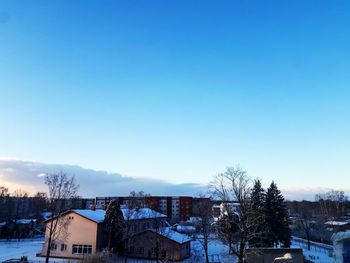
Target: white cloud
(28, 175)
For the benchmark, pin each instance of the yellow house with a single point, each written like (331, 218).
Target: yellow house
(79, 234)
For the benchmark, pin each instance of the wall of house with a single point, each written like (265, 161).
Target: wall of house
(137, 226)
(79, 231)
(144, 246)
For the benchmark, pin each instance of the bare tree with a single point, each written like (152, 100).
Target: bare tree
(4, 203)
(305, 221)
(60, 187)
(205, 226)
(332, 203)
(234, 185)
(20, 196)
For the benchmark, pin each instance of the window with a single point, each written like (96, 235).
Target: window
(131, 249)
(53, 246)
(63, 247)
(140, 250)
(163, 254)
(81, 249)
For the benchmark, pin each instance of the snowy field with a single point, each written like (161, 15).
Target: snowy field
(24, 247)
(218, 252)
(319, 253)
(30, 247)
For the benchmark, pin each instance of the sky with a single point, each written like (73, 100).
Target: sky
(179, 90)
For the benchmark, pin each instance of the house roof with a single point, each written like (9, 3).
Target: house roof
(98, 215)
(25, 221)
(172, 235)
(142, 213)
(340, 236)
(336, 223)
(185, 228)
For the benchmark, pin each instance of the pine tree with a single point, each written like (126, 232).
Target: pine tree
(115, 224)
(258, 212)
(277, 217)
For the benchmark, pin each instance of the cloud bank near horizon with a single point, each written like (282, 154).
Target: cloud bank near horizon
(28, 175)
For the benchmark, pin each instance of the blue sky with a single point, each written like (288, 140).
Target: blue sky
(178, 90)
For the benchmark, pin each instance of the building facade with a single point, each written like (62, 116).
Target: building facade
(79, 234)
(176, 208)
(162, 243)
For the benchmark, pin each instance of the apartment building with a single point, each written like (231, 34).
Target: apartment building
(175, 207)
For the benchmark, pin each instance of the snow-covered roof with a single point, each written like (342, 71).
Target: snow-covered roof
(172, 235)
(98, 215)
(185, 228)
(25, 221)
(336, 223)
(141, 213)
(340, 236)
(46, 215)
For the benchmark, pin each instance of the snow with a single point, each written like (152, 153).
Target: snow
(340, 236)
(94, 215)
(98, 215)
(187, 229)
(173, 235)
(25, 221)
(339, 239)
(24, 247)
(319, 253)
(336, 223)
(218, 251)
(142, 213)
(46, 215)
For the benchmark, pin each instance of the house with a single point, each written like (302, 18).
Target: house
(337, 226)
(80, 233)
(341, 245)
(163, 243)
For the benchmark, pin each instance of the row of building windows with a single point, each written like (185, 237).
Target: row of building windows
(138, 250)
(76, 249)
(81, 249)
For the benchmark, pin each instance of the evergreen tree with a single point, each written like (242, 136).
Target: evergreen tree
(258, 212)
(114, 222)
(277, 217)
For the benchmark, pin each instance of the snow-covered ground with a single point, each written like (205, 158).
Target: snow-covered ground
(218, 252)
(24, 247)
(319, 253)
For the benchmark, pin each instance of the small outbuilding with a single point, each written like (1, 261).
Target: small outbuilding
(163, 243)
